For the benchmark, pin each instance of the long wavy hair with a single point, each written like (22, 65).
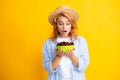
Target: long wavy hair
(73, 32)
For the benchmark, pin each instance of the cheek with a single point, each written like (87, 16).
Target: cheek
(59, 28)
(69, 28)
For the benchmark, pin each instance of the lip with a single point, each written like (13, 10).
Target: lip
(64, 30)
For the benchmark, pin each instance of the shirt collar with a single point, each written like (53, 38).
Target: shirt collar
(56, 40)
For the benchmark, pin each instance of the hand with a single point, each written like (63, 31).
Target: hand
(60, 52)
(70, 52)
(57, 58)
(73, 58)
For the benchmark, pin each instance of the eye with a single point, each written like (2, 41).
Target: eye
(68, 23)
(60, 23)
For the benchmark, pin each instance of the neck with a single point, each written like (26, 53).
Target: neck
(64, 36)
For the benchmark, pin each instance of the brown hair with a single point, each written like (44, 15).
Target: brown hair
(73, 32)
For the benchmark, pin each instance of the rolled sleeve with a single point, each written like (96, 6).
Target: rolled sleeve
(48, 67)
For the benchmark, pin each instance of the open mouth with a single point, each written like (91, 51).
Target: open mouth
(64, 31)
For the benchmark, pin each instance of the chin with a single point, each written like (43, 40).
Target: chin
(65, 35)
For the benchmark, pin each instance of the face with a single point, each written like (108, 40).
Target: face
(63, 26)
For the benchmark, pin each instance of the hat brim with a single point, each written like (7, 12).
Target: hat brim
(62, 9)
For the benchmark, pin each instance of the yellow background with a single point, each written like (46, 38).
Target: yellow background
(24, 27)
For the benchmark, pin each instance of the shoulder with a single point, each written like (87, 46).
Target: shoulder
(48, 41)
(81, 38)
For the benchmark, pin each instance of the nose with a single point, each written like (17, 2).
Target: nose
(64, 26)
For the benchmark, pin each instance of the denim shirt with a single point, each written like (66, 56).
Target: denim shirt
(81, 52)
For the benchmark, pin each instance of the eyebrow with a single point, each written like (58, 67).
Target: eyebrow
(62, 21)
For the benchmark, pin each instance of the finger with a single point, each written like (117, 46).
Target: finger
(56, 49)
(71, 52)
(73, 49)
(68, 52)
(60, 52)
(63, 52)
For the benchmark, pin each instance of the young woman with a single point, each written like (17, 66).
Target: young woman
(61, 65)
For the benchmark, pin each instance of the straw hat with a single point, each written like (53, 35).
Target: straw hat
(62, 9)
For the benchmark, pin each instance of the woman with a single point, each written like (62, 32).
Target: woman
(61, 65)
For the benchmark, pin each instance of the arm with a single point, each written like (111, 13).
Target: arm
(55, 62)
(50, 64)
(83, 56)
(57, 58)
(81, 60)
(73, 58)
(46, 57)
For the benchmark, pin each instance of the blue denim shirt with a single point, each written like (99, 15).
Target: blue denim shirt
(81, 52)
